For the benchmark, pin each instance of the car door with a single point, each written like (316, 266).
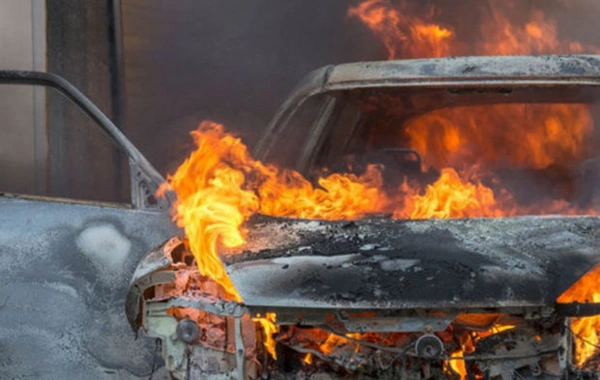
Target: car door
(65, 267)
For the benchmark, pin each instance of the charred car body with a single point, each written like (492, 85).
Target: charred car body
(386, 298)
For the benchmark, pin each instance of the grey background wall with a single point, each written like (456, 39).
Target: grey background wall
(233, 61)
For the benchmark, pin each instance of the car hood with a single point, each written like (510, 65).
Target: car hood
(394, 264)
(291, 265)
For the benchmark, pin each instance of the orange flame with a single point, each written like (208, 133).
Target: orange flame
(538, 35)
(211, 203)
(401, 34)
(457, 364)
(269, 328)
(340, 196)
(408, 36)
(523, 136)
(450, 197)
(220, 186)
(586, 328)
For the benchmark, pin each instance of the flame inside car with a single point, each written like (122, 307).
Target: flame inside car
(471, 160)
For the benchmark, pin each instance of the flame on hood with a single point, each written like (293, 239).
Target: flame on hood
(219, 186)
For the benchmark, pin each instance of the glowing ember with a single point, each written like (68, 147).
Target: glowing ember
(457, 364)
(333, 341)
(500, 328)
(308, 359)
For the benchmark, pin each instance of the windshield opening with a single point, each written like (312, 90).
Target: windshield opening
(470, 152)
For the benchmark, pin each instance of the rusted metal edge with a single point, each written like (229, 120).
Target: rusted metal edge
(218, 307)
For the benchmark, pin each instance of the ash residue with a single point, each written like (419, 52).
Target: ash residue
(527, 260)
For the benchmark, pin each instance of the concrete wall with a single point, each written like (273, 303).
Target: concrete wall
(22, 123)
(83, 163)
(47, 146)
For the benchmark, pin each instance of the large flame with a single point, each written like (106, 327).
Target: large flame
(211, 203)
(220, 186)
(515, 135)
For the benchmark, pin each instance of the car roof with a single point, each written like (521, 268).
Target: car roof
(436, 72)
(453, 69)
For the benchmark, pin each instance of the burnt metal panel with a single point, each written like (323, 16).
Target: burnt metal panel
(484, 70)
(577, 309)
(65, 271)
(394, 264)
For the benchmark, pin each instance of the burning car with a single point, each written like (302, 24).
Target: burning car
(436, 218)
